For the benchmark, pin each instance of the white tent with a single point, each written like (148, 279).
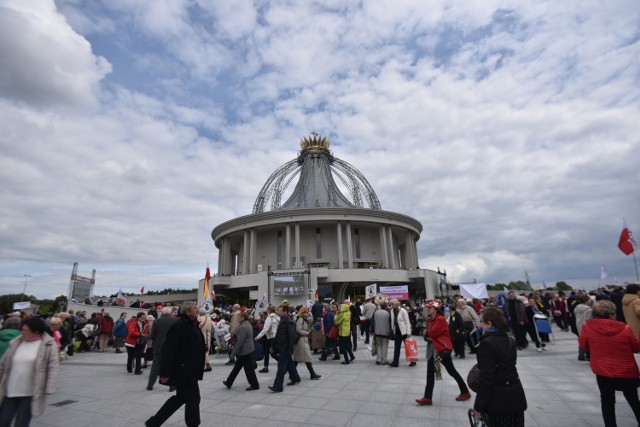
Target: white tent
(474, 290)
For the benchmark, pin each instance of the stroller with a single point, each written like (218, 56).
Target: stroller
(543, 326)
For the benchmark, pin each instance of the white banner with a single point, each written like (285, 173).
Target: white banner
(474, 290)
(371, 290)
(21, 305)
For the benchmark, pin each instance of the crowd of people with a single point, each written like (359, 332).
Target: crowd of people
(176, 342)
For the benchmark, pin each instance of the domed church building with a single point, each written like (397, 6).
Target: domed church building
(329, 239)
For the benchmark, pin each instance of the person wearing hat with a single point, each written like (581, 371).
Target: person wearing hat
(439, 349)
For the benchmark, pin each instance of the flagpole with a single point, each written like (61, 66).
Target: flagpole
(636, 263)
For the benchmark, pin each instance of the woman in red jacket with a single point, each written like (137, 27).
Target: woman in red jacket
(439, 349)
(611, 345)
(135, 341)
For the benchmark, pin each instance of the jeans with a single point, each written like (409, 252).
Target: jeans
(285, 364)
(451, 370)
(187, 395)
(608, 387)
(345, 348)
(266, 346)
(366, 326)
(354, 336)
(18, 407)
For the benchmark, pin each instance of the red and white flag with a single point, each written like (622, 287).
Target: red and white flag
(627, 242)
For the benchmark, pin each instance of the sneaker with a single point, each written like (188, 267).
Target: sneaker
(264, 370)
(539, 349)
(149, 387)
(424, 401)
(275, 390)
(412, 364)
(463, 397)
(226, 384)
(545, 349)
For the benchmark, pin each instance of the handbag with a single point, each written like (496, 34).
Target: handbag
(477, 422)
(333, 332)
(411, 350)
(473, 377)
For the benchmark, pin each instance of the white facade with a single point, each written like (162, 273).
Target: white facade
(318, 242)
(345, 248)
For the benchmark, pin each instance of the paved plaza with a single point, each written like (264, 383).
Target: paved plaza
(95, 390)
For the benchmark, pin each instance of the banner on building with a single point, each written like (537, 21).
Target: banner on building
(398, 292)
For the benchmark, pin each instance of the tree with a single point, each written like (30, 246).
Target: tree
(563, 286)
(497, 287)
(518, 286)
(6, 301)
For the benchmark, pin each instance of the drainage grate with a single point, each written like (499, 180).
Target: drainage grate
(64, 402)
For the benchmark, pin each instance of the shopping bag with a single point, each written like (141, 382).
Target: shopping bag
(411, 350)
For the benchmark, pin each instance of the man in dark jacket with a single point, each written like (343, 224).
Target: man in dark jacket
(243, 354)
(182, 366)
(158, 336)
(283, 344)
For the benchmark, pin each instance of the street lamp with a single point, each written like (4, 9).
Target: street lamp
(24, 290)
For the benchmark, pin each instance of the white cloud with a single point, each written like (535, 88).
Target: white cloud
(508, 130)
(44, 62)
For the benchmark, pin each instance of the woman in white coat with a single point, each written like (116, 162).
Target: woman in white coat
(302, 351)
(28, 371)
(267, 334)
(400, 330)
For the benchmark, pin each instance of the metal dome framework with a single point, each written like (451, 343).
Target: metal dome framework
(316, 168)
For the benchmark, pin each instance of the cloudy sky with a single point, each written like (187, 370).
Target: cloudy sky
(129, 129)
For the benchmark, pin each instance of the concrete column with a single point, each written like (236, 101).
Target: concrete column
(252, 252)
(220, 258)
(297, 240)
(392, 255)
(384, 255)
(245, 253)
(410, 261)
(349, 246)
(287, 246)
(339, 240)
(228, 262)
